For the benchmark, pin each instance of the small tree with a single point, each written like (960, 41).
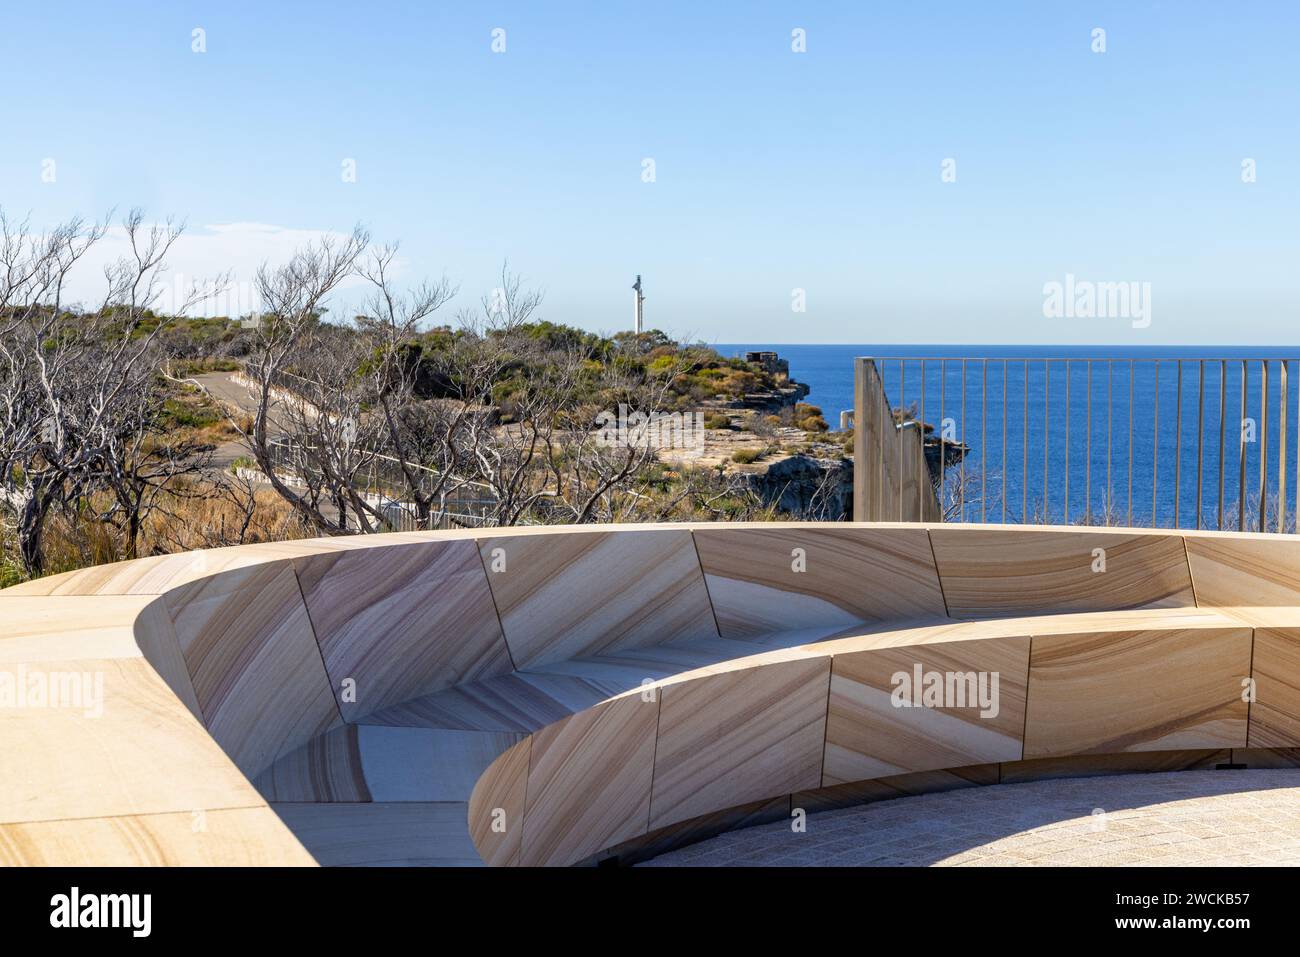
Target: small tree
(75, 384)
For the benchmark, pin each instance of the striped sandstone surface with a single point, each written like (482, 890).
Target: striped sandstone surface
(546, 696)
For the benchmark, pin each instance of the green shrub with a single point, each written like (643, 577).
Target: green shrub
(717, 420)
(739, 384)
(11, 573)
(809, 418)
(746, 456)
(194, 416)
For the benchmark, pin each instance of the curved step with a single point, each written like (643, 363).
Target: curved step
(539, 696)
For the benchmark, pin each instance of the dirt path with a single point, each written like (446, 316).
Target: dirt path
(236, 400)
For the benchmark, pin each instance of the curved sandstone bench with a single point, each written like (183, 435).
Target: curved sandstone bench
(547, 696)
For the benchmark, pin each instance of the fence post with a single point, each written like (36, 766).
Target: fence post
(859, 441)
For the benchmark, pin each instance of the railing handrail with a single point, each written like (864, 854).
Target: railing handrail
(281, 442)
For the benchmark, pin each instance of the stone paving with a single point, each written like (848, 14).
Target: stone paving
(1226, 818)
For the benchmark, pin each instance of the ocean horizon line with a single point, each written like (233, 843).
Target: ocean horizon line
(999, 345)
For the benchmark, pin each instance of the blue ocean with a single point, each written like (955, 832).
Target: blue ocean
(1139, 427)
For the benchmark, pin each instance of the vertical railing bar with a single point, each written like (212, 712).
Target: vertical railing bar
(1047, 432)
(920, 490)
(1024, 455)
(1087, 457)
(1004, 442)
(984, 441)
(1263, 445)
(899, 444)
(1281, 446)
(1110, 419)
(943, 439)
(1200, 439)
(1130, 443)
(1178, 445)
(884, 472)
(1241, 455)
(961, 492)
(1297, 460)
(1067, 442)
(1223, 419)
(1155, 447)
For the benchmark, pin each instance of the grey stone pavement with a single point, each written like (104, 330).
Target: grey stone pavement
(1213, 818)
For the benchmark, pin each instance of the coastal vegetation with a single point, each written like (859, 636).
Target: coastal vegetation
(130, 427)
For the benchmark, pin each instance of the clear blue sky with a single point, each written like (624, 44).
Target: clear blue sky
(774, 170)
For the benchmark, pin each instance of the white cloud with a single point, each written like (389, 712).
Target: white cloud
(200, 255)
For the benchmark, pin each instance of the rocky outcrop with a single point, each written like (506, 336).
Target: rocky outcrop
(812, 488)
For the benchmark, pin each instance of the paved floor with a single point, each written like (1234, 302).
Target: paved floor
(1229, 817)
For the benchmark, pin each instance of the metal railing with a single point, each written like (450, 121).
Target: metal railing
(464, 503)
(1073, 440)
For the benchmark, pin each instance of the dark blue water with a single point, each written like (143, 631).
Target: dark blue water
(1132, 474)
